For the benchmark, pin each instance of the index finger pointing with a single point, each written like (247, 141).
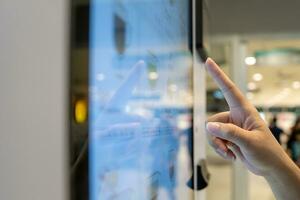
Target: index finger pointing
(232, 94)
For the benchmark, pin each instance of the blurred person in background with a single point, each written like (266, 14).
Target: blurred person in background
(276, 131)
(293, 143)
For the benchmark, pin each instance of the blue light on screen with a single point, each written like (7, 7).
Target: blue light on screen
(140, 100)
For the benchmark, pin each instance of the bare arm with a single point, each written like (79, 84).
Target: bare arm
(285, 180)
(241, 133)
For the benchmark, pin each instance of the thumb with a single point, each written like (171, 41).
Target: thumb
(228, 132)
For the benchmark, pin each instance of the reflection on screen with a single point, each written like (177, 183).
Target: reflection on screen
(140, 100)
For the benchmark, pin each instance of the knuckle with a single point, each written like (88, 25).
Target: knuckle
(251, 141)
(230, 132)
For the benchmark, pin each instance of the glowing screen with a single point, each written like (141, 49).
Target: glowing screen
(140, 107)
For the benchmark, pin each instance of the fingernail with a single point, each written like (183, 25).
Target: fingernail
(207, 60)
(213, 127)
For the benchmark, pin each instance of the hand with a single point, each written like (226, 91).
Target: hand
(241, 132)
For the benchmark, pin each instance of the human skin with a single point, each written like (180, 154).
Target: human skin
(241, 133)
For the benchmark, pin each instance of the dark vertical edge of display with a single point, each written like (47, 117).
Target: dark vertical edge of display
(88, 99)
(78, 41)
(199, 30)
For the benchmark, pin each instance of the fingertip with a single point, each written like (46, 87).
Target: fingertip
(210, 61)
(207, 59)
(211, 66)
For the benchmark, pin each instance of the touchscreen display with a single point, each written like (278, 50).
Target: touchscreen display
(140, 100)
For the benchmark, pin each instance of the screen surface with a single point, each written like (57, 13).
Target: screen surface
(140, 99)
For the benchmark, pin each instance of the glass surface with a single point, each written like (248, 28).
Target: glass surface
(140, 109)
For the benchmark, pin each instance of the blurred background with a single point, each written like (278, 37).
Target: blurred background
(257, 43)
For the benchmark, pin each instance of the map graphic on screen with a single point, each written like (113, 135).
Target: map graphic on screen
(141, 96)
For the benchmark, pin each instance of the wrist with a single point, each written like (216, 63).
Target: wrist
(284, 177)
(282, 170)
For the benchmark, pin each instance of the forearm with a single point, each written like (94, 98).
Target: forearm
(285, 181)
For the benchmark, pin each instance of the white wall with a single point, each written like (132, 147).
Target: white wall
(33, 99)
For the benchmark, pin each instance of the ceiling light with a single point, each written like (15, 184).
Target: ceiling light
(252, 86)
(250, 60)
(257, 77)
